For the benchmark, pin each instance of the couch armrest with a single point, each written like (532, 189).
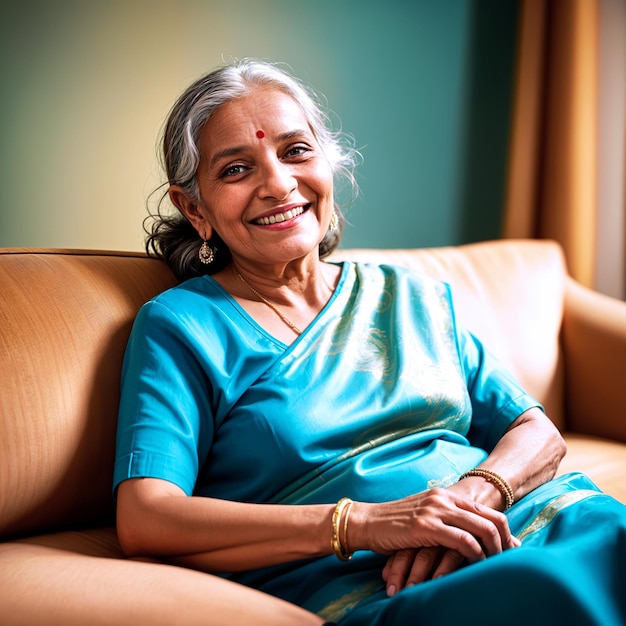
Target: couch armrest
(78, 578)
(594, 348)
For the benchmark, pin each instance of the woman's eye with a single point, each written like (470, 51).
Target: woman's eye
(297, 151)
(233, 170)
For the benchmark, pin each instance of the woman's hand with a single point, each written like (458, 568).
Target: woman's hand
(411, 566)
(430, 519)
(406, 568)
(529, 452)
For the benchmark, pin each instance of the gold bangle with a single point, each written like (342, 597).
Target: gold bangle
(346, 516)
(335, 541)
(495, 479)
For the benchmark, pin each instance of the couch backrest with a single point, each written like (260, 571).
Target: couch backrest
(65, 318)
(64, 321)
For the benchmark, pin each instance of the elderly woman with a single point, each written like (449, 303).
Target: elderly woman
(328, 432)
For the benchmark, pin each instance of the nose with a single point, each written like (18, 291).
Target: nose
(277, 180)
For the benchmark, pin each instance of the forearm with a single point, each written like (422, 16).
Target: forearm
(157, 519)
(527, 456)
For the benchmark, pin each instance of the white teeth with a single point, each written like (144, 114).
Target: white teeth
(280, 217)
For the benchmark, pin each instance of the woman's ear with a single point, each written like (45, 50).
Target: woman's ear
(190, 209)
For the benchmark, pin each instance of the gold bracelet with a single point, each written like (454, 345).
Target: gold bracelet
(335, 542)
(345, 529)
(495, 479)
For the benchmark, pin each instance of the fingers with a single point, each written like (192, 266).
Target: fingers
(469, 501)
(442, 532)
(397, 569)
(411, 567)
(505, 539)
(424, 565)
(450, 562)
(483, 531)
(488, 528)
(458, 524)
(439, 518)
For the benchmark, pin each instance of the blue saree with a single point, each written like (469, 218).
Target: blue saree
(383, 395)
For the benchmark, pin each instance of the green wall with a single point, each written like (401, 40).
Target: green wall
(424, 86)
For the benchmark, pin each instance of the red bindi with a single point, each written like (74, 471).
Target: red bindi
(260, 134)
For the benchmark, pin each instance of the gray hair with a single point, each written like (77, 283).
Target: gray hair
(171, 236)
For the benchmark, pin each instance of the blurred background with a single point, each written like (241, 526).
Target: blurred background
(427, 88)
(423, 86)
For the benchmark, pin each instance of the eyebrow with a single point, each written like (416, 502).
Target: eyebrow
(235, 150)
(292, 134)
(227, 152)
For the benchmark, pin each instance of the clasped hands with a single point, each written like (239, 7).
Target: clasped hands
(434, 533)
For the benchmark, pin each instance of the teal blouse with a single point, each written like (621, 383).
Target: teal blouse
(216, 405)
(383, 395)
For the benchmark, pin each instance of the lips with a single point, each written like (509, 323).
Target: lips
(276, 218)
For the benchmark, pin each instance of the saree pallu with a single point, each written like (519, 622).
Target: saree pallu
(382, 396)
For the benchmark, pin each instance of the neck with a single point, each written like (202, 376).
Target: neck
(267, 302)
(305, 282)
(293, 298)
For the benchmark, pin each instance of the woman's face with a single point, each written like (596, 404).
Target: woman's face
(265, 185)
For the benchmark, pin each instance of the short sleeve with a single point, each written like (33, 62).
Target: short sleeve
(497, 398)
(164, 422)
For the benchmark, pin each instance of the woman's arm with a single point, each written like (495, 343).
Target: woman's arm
(156, 518)
(527, 455)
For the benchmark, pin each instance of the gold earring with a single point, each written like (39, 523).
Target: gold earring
(334, 221)
(206, 254)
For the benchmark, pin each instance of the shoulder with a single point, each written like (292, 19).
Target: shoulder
(409, 297)
(196, 308)
(403, 280)
(191, 289)
(183, 300)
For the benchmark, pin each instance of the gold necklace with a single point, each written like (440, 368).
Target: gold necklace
(263, 299)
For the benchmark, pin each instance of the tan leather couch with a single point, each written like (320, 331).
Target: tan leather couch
(64, 320)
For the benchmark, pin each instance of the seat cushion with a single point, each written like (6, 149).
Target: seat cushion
(603, 460)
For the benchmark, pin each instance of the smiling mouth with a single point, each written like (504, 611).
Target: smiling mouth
(281, 217)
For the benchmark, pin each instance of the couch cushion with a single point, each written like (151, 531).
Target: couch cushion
(603, 460)
(78, 578)
(64, 323)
